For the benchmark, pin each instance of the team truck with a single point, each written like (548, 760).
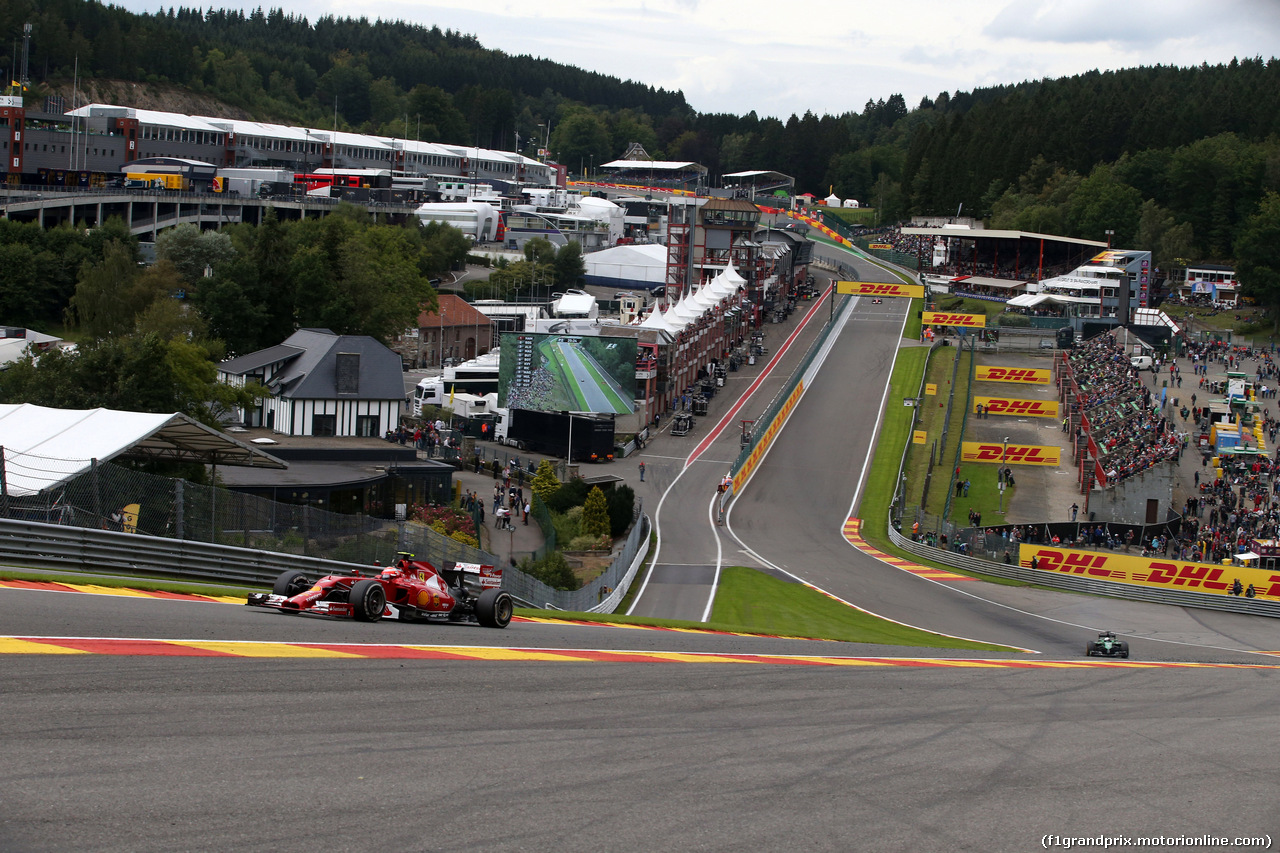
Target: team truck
(549, 433)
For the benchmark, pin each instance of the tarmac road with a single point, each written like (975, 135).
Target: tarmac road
(791, 516)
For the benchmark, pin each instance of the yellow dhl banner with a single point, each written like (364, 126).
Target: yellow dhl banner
(1022, 408)
(1012, 454)
(879, 245)
(1026, 375)
(1156, 572)
(880, 288)
(919, 436)
(944, 318)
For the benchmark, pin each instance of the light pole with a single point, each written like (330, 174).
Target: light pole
(1004, 453)
(1109, 233)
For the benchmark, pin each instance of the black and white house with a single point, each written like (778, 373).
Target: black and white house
(322, 384)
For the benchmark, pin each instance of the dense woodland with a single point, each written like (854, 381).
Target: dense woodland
(1182, 161)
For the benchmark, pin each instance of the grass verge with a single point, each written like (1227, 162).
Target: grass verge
(752, 602)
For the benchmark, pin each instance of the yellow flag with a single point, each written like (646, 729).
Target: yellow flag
(452, 388)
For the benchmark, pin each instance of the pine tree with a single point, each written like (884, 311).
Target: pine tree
(595, 514)
(544, 483)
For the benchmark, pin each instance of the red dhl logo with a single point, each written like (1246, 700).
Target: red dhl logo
(1188, 576)
(934, 318)
(1073, 564)
(1014, 454)
(1013, 374)
(873, 289)
(1034, 408)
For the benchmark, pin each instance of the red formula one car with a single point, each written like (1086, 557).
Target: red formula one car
(410, 590)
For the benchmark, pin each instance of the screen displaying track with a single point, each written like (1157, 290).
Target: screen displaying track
(554, 373)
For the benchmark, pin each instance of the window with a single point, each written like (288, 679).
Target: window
(323, 425)
(367, 426)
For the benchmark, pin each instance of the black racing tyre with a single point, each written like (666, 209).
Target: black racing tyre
(291, 583)
(368, 600)
(494, 608)
(1124, 650)
(1088, 650)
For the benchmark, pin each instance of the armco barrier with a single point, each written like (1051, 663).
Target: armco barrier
(82, 549)
(1075, 583)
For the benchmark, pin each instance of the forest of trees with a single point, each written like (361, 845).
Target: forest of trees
(237, 291)
(1175, 160)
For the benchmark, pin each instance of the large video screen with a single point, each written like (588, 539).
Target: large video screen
(577, 373)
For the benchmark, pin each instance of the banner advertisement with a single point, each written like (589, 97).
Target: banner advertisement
(770, 433)
(879, 288)
(879, 245)
(1159, 572)
(919, 436)
(931, 389)
(1021, 408)
(944, 318)
(1027, 375)
(1010, 454)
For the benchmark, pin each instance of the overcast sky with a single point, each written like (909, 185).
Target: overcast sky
(831, 56)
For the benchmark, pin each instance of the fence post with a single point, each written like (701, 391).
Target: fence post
(178, 509)
(97, 489)
(4, 487)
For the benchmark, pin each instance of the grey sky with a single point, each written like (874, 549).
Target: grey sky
(831, 56)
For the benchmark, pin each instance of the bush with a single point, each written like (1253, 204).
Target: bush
(544, 483)
(1013, 318)
(622, 505)
(590, 543)
(571, 494)
(568, 525)
(552, 570)
(595, 514)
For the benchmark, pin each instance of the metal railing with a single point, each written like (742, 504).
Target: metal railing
(595, 596)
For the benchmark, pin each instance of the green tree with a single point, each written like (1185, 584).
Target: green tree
(1256, 260)
(544, 483)
(192, 251)
(111, 294)
(595, 514)
(570, 269)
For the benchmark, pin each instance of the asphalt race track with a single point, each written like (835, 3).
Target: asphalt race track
(848, 748)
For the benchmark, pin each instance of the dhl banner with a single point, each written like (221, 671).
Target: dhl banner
(1012, 454)
(879, 245)
(879, 288)
(1022, 408)
(943, 318)
(1156, 572)
(931, 389)
(919, 436)
(1026, 375)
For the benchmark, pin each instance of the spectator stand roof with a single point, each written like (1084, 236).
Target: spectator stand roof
(44, 447)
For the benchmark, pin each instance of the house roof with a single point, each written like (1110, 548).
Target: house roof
(453, 311)
(310, 370)
(253, 361)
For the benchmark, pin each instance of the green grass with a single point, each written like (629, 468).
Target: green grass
(761, 603)
(894, 433)
(851, 215)
(933, 412)
(752, 602)
(984, 496)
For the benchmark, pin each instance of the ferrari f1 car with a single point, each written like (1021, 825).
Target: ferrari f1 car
(1107, 645)
(410, 591)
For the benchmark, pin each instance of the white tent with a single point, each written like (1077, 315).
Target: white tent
(641, 266)
(44, 447)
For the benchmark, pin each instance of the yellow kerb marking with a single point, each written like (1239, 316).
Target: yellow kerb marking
(12, 646)
(263, 650)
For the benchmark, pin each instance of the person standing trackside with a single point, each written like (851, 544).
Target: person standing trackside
(1075, 508)
(642, 472)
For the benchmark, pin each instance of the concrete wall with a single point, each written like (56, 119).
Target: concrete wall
(1127, 502)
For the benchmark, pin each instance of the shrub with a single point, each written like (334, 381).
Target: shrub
(595, 514)
(552, 570)
(544, 483)
(1012, 318)
(590, 543)
(622, 505)
(571, 494)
